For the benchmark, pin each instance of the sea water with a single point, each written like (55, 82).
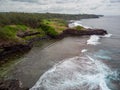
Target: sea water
(97, 68)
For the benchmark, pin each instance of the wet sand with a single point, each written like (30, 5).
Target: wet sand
(40, 59)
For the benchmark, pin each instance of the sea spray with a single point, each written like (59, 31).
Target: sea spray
(77, 73)
(84, 50)
(77, 23)
(107, 35)
(94, 40)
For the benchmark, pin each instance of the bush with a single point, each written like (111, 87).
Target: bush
(79, 27)
(48, 30)
(10, 31)
(7, 33)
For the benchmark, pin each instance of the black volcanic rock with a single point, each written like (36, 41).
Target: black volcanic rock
(11, 85)
(13, 49)
(74, 32)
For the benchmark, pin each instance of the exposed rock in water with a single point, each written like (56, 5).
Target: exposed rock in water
(11, 85)
(74, 32)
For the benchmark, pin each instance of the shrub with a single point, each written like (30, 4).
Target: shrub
(7, 33)
(79, 27)
(10, 31)
(48, 30)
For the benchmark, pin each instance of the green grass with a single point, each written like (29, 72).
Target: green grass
(58, 24)
(42, 33)
(51, 27)
(79, 28)
(9, 32)
(49, 30)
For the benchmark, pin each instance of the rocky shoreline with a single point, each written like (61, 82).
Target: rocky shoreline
(74, 32)
(9, 49)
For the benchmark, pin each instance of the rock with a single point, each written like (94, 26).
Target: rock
(8, 50)
(11, 85)
(84, 32)
(74, 32)
(27, 33)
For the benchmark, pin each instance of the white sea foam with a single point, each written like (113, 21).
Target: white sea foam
(107, 35)
(78, 73)
(84, 50)
(94, 40)
(77, 23)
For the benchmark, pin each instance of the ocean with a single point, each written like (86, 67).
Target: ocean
(97, 67)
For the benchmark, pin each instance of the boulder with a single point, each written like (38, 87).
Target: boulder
(11, 85)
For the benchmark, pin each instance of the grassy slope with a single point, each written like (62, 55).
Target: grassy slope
(58, 24)
(52, 27)
(48, 26)
(8, 33)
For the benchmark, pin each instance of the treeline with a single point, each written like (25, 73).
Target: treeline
(34, 19)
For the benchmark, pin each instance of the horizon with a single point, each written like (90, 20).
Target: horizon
(98, 7)
(60, 13)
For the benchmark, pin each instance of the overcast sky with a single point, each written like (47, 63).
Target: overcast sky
(105, 7)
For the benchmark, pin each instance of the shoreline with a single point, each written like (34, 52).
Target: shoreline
(8, 50)
(33, 65)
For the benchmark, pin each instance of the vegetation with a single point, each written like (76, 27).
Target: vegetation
(33, 19)
(49, 30)
(58, 24)
(12, 23)
(79, 28)
(9, 32)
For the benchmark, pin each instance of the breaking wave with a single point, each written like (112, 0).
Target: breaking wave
(78, 73)
(107, 35)
(84, 50)
(94, 40)
(77, 23)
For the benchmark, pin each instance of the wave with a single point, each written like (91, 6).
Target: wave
(84, 50)
(77, 23)
(94, 40)
(77, 73)
(107, 35)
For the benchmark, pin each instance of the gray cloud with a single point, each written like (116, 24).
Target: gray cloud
(62, 6)
(64, 1)
(115, 1)
(29, 1)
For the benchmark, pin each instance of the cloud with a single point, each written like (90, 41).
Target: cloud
(30, 1)
(106, 7)
(115, 1)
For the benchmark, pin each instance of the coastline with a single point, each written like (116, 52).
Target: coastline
(38, 61)
(11, 49)
(51, 46)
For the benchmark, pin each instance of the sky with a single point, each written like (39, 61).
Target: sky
(103, 7)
